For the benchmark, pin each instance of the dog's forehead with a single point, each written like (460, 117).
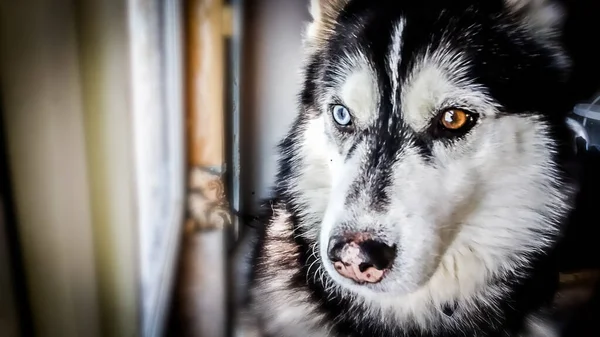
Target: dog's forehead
(411, 61)
(409, 83)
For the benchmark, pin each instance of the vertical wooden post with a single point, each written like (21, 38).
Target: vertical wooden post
(202, 288)
(205, 83)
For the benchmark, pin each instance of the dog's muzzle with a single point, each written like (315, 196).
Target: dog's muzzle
(360, 257)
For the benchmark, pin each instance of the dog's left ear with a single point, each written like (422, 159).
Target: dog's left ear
(574, 23)
(324, 14)
(544, 16)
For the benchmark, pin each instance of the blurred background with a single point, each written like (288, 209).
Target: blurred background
(132, 131)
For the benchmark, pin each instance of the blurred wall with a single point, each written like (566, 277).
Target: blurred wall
(271, 62)
(42, 114)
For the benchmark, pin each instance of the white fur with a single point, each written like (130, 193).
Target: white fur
(313, 181)
(360, 94)
(356, 85)
(395, 58)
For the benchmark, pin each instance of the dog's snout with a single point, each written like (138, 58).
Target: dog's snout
(360, 257)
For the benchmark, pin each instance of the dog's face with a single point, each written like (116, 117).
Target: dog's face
(425, 151)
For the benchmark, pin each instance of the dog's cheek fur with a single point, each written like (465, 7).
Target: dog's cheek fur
(493, 207)
(316, 158)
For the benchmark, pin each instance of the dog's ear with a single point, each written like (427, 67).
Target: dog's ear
(544, 16)
(324, 14)
(575, 24)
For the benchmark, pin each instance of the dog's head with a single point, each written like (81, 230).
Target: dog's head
(426, 150)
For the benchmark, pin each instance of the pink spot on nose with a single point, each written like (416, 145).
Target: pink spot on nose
(351, 254)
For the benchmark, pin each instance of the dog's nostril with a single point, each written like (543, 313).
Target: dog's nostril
(378, 254)
(364, 266)
(334, 249)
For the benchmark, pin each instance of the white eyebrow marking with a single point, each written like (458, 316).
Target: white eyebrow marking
(361, 94)
(440, 79)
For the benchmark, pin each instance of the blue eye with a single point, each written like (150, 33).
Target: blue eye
(341, 115)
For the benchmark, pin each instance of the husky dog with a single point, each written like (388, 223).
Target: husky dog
(424, 185)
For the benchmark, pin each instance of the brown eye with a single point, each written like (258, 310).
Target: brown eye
(455, 119)
(452, 123)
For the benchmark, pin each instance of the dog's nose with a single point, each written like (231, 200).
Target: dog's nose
(361, 258)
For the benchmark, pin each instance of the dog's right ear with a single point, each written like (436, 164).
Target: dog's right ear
(324, 14)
